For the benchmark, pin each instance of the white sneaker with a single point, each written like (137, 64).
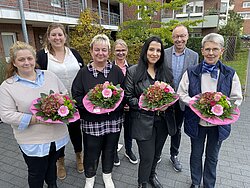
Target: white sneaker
(89, 183)
(108, 182)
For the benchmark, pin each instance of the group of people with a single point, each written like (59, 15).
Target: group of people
(61, 69)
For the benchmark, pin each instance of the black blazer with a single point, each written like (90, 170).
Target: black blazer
(142, 121)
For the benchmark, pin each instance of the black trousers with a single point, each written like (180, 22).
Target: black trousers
(150, 150)
(176, 139)
(75, 134)
(94, 146)
(42, 169)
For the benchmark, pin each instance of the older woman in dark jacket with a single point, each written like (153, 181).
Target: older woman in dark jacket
(150, 129)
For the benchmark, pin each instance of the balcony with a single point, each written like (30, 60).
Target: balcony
(39, 13)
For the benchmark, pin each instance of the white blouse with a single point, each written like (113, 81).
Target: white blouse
(67, 70)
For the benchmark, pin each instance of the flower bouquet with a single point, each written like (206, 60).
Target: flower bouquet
(215, 108)
(103, 98)
(157, 96)
(55, 108)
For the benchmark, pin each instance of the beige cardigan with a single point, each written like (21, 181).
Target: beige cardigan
(15, 101)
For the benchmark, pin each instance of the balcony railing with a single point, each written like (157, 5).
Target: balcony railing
(70, 8)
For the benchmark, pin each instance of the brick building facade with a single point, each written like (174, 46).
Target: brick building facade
(242, 7)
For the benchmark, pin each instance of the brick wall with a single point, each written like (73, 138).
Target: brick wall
(129, 13)
(17, 29)
(239, 8)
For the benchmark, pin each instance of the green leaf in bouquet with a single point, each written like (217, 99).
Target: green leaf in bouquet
(40, 114)
(43, 95)
(37, 105)
(51, 92)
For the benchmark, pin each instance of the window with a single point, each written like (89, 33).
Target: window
(8, 40)
(193, 7)
(56, 3)
(246, 4)
(141, 10)
(223, 7)
(245, 15)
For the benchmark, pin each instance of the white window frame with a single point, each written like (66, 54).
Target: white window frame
(139, 14)
(13, 35)
(246, 15)
(56, 3)
(246, 4)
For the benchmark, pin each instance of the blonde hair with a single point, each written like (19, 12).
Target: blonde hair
(121, 42)
(16, 47)
(100, 38)
(51, 27)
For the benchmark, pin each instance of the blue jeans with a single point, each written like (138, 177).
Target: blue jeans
(211, 156)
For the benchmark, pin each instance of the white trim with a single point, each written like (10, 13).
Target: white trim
(246, 4)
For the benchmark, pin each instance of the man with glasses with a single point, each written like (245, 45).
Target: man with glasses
(178, 58)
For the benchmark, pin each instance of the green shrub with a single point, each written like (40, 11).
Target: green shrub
(2, 69)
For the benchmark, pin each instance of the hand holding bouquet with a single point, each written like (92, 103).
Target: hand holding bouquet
(103, 98)
(55, 108)
(158, 96)
(215, 108)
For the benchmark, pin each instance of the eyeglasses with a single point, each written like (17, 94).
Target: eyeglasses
(179, 36)
(118, 51)
(214, 50)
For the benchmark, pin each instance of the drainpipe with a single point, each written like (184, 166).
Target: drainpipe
(25, 34)
(109, 12)
(100, 11)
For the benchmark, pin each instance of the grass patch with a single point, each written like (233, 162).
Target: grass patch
(240, 65)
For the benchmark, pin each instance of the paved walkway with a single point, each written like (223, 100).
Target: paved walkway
(233, 167)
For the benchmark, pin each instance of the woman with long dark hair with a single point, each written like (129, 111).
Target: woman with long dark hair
(150, 129)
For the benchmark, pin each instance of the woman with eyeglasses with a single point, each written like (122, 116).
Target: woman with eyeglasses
(211, 75)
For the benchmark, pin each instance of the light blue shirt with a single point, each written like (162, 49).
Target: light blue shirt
(177, 66)
(36, 150)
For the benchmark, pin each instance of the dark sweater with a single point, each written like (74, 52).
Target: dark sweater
(85, 81)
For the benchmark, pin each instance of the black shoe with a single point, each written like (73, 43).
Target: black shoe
(176, 163)
(116, 160)
(131, 157)
(195, 186)
(155, 182)
(142, 185)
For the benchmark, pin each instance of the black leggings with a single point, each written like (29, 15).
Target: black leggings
(42, 169)
(94, 146)
(75, 134)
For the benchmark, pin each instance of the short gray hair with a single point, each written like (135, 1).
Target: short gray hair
(102, 38)
(213, 37)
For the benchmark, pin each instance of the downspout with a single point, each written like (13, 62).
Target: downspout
(24, 29)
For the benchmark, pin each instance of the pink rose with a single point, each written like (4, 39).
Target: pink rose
(63, 111)
(217, 97)
(171, 90)
(114, 92)
(157, 83)
(163, 85)
(212, 103)
(217, 110)
(166, 90)
(107, 93)
(106, 84)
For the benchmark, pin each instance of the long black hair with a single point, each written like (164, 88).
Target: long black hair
(162, 72)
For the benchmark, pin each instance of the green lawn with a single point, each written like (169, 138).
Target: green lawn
(240, 65)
